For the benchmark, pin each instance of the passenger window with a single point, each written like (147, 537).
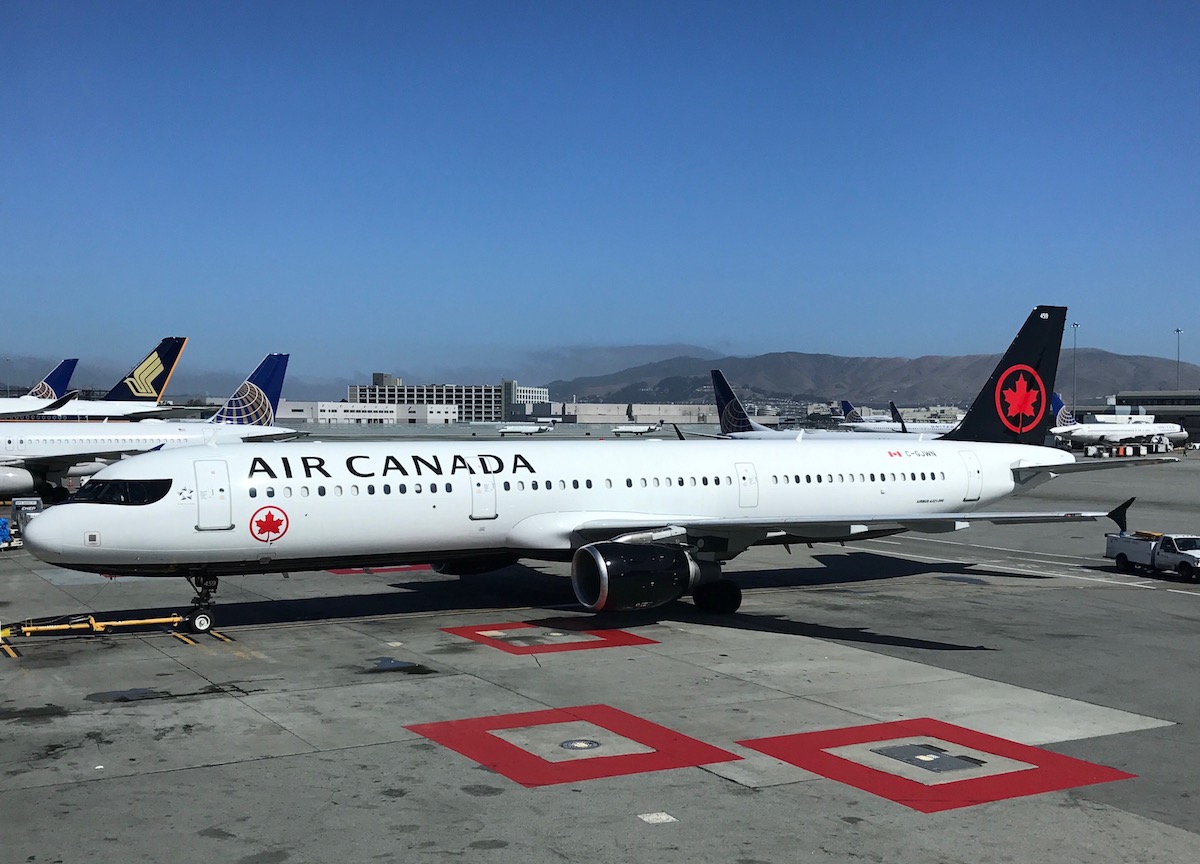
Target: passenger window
(270, 491)
(337, 490)
(507, 486)
(354, 490)
(643, 482)
(818, 478)
(303, 491)
(287, 491)
(253, 492)
(533, 484)
(321, 491)
(387, 488)
(416, 488)
(629, 482)
(370, 488)
(574, 484)
(401, 488)
(587, 483)
(607, 484)
(432, 487)
(447, 489)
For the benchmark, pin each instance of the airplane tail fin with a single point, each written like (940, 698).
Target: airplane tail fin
(897, 417)
(54, 385)
(1062, 416)
(1013, 408)
(257, 400)
(729, 408)
(147, 381)
(850, 414)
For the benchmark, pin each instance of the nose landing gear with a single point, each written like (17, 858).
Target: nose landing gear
(200, 619)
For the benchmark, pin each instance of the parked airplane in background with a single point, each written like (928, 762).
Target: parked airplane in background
(851, 415)
(908, 427)
(37, 456)
(50, 391)
(135, 396)
(641, 526)
(1130, 432)
(637, 429)
(525, 429)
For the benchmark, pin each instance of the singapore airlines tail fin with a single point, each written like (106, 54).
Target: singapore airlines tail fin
(1013, 407)
(147, 381)
(54, 385)
(257, 400)
(734, 418)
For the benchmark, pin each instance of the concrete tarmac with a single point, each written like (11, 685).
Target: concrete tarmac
(996, 695)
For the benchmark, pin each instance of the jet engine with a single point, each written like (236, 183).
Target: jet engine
(16, 481)
(616, 577)
(473, 566)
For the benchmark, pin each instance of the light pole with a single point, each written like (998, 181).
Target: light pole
(1074, 364)
(1178, 331)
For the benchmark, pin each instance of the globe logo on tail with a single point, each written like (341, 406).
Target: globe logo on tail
(42, 391)
(249, 406)
(1020, 398)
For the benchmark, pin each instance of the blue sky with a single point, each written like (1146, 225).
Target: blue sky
(406, 186)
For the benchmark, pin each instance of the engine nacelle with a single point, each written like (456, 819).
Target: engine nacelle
(16, 481)
(615, 577)
(473, 566)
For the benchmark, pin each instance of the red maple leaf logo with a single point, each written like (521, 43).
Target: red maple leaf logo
(1020, 399)
(269, 524)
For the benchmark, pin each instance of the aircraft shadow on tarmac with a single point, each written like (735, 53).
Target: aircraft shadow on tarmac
(525, 586)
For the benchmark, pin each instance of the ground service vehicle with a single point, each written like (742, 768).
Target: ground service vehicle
(1155, 551)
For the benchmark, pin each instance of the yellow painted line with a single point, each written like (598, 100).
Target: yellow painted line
(9, 650)
(220, 636)
(188, 639)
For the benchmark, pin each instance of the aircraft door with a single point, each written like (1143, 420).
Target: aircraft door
(974, 474)
(214, 507)
(747, 484)
(483, 497)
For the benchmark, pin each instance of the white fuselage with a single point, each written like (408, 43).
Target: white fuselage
(288, 506)
(37, 440)
(1115, 433)
(78, 409)
(914, 427)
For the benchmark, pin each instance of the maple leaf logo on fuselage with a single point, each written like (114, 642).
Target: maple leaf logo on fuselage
(269, 524)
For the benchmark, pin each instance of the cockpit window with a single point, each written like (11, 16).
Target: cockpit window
(127, 492)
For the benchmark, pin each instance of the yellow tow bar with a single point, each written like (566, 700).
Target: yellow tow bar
(91, 625)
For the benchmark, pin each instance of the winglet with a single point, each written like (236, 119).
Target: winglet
(1118, 514)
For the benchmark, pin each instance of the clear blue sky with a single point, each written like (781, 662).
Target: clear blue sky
(371, 184)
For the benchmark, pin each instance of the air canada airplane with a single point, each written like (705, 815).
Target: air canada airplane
(641, 525)
(1138, 431)
(36, 457)
(134, 397)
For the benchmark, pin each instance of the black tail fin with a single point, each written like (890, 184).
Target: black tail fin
(897, 417)
(1014, 405)
(729, 407)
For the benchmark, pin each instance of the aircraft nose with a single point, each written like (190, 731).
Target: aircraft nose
(42, 538)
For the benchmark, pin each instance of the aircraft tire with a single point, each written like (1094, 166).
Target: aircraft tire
(1122, 563)
(200, 621)
(722, 597)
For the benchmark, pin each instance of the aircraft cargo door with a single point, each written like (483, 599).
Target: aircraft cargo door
(214, 511)
(974, 475)
(747, 484)
(483, 496)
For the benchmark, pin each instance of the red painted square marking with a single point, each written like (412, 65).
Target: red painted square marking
(1050, 771)
(588, 638)
(370, 571)
(669, 749)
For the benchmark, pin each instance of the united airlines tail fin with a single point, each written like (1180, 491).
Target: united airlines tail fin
(54, 385)
(733, 416)
(1013, 407)
(1062, 416)
(257, 400)
(147, 381)
(897, 417)
(850, 413)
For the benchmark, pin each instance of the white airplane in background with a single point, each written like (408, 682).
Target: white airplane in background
(637, 428)
(51, 392)
(736, 423)
(641, 526)
(134, 397)
(37, 457)
(910, 427)
(1130, 432)
(526, 429)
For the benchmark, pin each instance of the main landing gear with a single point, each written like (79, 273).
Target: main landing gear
(721, 597)
(200, 619)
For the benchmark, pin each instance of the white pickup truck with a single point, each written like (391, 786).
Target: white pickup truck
(1155, 551)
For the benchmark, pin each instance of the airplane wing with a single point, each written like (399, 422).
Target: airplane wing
(1025, 474)
(729, 537)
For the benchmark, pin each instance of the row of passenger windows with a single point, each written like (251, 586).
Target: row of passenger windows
(520, 485)
(353, 489)
(33, 442)
(881, 477)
